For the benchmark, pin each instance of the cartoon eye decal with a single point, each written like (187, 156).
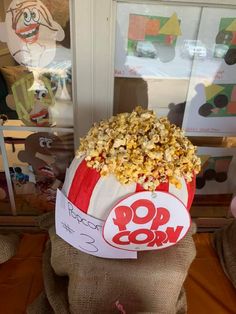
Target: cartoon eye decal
(35, 15)
(42, 93)
(42, 142)
(49, 143)
(27, 16)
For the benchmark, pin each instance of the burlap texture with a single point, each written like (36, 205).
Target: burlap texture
(225, 245)
(40, 306)
(151, 284)
(8, 246)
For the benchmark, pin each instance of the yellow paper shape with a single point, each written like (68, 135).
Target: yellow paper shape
(212, 90)
(232, 26)
(204, 158)
(171, 27)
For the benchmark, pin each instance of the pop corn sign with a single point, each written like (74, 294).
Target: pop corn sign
(147, 221)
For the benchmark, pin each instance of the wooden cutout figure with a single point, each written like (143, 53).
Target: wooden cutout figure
(3, 188)
(48, 155)
(31, 33)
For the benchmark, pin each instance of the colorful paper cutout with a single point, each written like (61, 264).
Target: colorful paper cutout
(226, 41)
(153, 36)
(31, 33)
(171, 27)
(32, 97)
(232, 26)
(212, 90)
(218, 170)
(147, 221)
(220, 101)
(23, 179)
(213, 168)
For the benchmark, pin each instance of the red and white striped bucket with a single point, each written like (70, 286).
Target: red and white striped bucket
(96, 195)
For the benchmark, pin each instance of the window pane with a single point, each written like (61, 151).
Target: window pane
(153, 63)
(38, 86)
(36, 99)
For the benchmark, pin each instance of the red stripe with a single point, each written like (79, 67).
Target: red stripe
(191, 186)
(82, 186)
(164, 187)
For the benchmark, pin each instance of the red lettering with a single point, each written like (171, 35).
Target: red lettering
(133, 236)
(173, 235)
(117, 238)
(123, 217)
(159, 239)
(150, 214)
(162, 217)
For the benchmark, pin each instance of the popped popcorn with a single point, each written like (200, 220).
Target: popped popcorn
(138, 147)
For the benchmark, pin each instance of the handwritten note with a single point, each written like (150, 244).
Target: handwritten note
(83, 231)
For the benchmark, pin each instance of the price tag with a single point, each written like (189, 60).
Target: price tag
(147, 221)
(83, 231)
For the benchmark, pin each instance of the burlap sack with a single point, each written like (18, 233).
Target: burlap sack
(151, 284)
(8, 246)
(225, 245)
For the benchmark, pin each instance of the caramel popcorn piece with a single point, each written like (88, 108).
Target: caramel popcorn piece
(138, 147)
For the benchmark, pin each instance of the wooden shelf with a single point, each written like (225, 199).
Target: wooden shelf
(27, 221)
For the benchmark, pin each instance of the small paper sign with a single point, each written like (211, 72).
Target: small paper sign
(147, 221)
(83, 231)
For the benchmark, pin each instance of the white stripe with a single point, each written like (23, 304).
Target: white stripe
(107, 192)
(70, 173)
(181, 194)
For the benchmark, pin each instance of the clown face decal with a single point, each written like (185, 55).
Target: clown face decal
(31, 33)
(32, 98)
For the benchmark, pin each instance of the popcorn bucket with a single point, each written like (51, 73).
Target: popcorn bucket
(97, 195)
(136, 173)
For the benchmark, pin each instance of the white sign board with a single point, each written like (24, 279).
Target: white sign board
(147, 221)
(83, 231)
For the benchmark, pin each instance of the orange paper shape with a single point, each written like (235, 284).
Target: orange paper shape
(152, 27)
(137, 27)
(231, 108)
(233, 94)
(233, 42)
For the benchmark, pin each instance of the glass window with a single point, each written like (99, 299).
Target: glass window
(180, 61)
(36, 100)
